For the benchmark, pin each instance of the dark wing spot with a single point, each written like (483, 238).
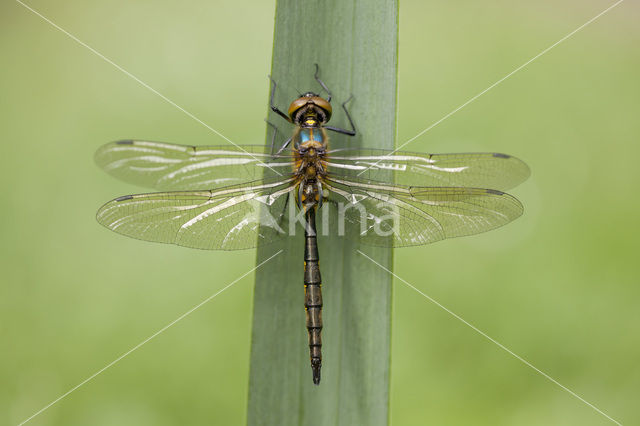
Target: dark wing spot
(494, 192)
(125, 142)
(124, 198)
(498, 155)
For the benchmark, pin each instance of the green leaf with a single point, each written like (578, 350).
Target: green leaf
(355, 44)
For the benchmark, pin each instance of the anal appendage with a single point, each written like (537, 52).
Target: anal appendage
(316, 364)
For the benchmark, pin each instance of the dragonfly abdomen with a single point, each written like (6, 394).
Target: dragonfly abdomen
(313, 295)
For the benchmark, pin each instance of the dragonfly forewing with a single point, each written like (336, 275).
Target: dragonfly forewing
(478, 170)
(171, 167)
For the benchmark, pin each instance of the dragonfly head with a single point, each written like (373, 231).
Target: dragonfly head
(310, 110)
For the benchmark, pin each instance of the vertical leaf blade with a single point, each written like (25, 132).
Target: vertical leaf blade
(355, 44)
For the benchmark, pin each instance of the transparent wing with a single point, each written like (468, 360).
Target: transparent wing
(228, 219)
(395, 216)
(171, 167)
(476, 170)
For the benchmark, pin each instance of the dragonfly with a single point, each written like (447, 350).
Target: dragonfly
(236, 197)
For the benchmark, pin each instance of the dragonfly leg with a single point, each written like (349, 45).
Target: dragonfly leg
(351, 132)
(274, 108)
(284, 145)
(273, 140)
(324, 86)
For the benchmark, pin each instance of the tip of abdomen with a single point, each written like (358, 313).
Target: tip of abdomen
(316, 364)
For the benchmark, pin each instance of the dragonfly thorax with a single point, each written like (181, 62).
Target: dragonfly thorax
(310, 170)
(311, 158)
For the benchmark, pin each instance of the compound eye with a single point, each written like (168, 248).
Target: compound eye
(296, 105)
(322, 104)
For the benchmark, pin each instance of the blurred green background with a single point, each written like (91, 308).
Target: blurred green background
(559, 286)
